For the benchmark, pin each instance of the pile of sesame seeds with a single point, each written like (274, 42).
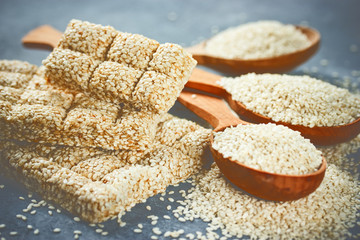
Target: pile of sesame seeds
(268, 147)
(324, 214)
(257, 40)
(299, 100)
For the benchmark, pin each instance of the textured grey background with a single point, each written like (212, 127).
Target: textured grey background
(180, 21)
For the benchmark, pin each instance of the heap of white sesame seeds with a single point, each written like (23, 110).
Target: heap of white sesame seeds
(32, 110)
(328, 213)
(268, 147)
(299, 100)
(119, 67)
(257, 40)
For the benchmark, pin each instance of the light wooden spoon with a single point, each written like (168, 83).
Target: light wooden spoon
(208, 82)
(279, 64)
(265, 185)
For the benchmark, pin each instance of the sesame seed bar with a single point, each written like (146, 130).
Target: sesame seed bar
(119, 67)
(98, 184)
(32, 110)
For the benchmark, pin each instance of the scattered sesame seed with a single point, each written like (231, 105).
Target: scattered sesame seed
(161, 199)
(2, 226)
(101, 225)
(193, 96)
(156, 230)
(353, 48)
(76, 236)
(13, 233)
(51, 207)
(154, 237)
(33, 201)
(36, 231)
(172, 16)
(29, 226)
(33, 212)
(21, 198)
(104, 233)
(171, 192)
(167, 217)
(153, 222)
(77, 219)
(168, 207)
(171, 199)
(30, 195)
(148, 208)
(137, 230)
(2, 186)
(98, 230)
(58, 210)
(324, 62)
(50, 213)
(140, 225)
(77, 232)
(57, 230)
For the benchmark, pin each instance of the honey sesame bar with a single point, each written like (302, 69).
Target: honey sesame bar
(97, 184)
(32, 110)
(119, 67)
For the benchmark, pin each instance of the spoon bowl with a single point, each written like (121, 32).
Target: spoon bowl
(208, 82)
(262, 184)
(278, 64)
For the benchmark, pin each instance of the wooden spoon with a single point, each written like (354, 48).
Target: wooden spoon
(277, 64)
(265, 185)
(207, 82)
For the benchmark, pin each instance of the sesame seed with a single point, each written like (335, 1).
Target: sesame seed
(148, 208)
(171, 199)
(137, 230)
(101, 225)
(50, 213)
(98, 230)
(21, 198)
(57, 230)
(156, 230)
(51, 207)
(2, 226)
(162, 199)
(77, 232)
(167, 217)
(58, 210)
(104, 233)
(29, 226)
(168, 207)
(140, 225)
(77, 219)
(76, 236)
(33, 212)
(2, 186)
(36, 231)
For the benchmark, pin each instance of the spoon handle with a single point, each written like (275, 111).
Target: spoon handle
(205, 81)
(43, 37)
(213, 110)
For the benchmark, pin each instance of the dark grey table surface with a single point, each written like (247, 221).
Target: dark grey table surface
(180, 21)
